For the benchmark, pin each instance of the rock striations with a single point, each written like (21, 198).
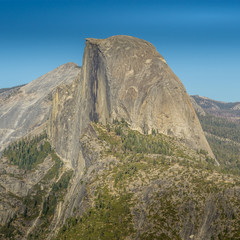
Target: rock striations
(26, 108)
(123, 77)
(98, 177)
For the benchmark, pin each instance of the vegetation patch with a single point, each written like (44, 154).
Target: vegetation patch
(143, 187)
(224, 139)
(109, 218)
(44, 196)
(56, 194)
(220, 127)
(125, 140)
(28, 153)
(8, 231)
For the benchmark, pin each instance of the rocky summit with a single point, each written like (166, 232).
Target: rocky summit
(114, 150)
(124, 77)
(25, 108)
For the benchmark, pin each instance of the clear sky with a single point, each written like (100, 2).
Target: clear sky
(200, 40)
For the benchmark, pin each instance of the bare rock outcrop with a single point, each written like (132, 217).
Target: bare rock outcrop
(25, 108)
(124, 77)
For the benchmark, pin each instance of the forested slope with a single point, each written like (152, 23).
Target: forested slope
(221, 124)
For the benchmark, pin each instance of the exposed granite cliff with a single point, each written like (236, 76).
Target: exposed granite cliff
(24, 108)
(124, 77)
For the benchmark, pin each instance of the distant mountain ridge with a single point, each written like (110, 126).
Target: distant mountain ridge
(11, 88)
(230, 110)
(221, 124)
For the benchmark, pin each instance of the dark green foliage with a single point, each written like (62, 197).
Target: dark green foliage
(8, 231)
(138, 143)
(34, 201)
(109, 219)
(108, 127)
(62, 184)
(54, 171)
(123, 123)
(227, 153)
(56, 194)
(202, 151)
(221, 127)
(38, 148)
(220, 131)
(115, 121)
(49, 204)
(165, 211)
(118, 130)
(133, 141)
(27, 153)
(154, 132)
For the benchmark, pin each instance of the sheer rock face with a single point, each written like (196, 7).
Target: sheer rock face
(125, 77)
(25, 108)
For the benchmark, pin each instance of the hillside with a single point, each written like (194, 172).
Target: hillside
(221, 124)
(137, 187)
(168, 192)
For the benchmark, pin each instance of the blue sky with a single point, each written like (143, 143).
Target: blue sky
(200, 40)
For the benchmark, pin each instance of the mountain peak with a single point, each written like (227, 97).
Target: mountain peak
(69, 64)
(125, 77)
(130, 46)
(26, 107)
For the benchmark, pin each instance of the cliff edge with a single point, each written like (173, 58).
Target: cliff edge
(124, 77)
